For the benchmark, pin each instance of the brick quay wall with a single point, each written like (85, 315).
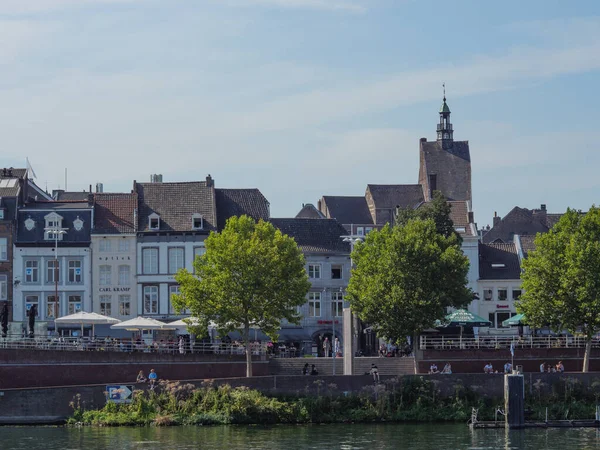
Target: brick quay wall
(51, 405)
(37, 368)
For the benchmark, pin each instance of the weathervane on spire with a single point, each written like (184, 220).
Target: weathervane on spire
(444, 86)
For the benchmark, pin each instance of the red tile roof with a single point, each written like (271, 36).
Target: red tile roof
(114, 213)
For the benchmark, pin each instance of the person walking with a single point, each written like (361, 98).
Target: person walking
(327, 347)
(336, 347)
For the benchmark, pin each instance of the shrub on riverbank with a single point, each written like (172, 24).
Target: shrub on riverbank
(399, 400)
(173, 403)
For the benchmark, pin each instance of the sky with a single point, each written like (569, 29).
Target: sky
(304, 98)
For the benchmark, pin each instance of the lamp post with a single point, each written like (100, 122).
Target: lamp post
(353, 239)
(56, 232)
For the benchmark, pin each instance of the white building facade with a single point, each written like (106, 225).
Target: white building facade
(52, 260)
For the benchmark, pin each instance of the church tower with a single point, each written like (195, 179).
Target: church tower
(445, 164)
(444, 128)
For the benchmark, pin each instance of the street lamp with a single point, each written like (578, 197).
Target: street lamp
(352, 239)
(56, 232)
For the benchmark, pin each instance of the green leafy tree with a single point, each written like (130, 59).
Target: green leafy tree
(406, 277)
(561, 278)
(251, 275)
(438, 209)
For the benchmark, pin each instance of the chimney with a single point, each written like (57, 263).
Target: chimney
(471, 219)
(423, 140)
(543, 207)
(99, 188)
(156, 178)
(496, 219)
(209, 181)
(319, 205)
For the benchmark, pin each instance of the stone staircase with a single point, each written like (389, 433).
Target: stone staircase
(362, 365)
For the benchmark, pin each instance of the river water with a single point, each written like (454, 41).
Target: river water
(371, 437)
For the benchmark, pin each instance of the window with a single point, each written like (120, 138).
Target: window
(53, 225)
(106, 305)
(336, 271)
(3, 249)
(197, 222)
(104, 245)
(150, 261)
(150, 299)
(1, 213)
(52, 271)
(3, 287)
(314, 304)
(75, 272)
(502, 294)
(337, 304)
(176, 259)
(199, 251)
(368, 230)
(105, 275)
(31, 271)
(516, 294)
(314, 271)
(487, 294)
(173, 290)
(124, 275)
(30, 301)
(123, 245)
(124, 305)
(360, 231)
(74, 304)
(154, 221)
(51, 307)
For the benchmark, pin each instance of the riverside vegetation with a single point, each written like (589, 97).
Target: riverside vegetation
(415, 399)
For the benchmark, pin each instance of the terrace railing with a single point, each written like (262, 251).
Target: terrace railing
(448, 342)
(115, 345)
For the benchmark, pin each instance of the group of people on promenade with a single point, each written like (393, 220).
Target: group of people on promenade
(489, 368)
(446, 370)
(548, 368)
(309, 371)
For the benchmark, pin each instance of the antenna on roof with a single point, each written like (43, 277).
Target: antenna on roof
(444, 86)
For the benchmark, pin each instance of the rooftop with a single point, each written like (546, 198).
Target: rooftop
(315, 236)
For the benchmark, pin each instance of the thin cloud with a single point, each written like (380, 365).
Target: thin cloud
(325, 5)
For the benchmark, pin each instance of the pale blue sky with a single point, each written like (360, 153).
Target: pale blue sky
(302, 98)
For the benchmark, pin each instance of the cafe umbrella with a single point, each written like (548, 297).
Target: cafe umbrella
(463, 318)
(86, 318)
(514, 321)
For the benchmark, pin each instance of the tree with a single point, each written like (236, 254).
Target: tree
(561, 278)
(250, 275)
(438, 209)
(406, 277)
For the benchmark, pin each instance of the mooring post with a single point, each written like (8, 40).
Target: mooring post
(514, 401)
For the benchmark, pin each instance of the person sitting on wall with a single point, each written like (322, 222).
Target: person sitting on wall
(433, 368)
(152, 379)
(488, 368)
(542, 367)
(447, 369)
(305, 369)
(508, 368)
(560, 368)
(375, 372)
(314, 371)
(140, 377)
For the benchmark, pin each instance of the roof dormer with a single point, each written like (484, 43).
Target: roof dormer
(197, 222)
(154, 222)
(53, 227)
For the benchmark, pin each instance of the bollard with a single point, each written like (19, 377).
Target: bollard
(514, 401)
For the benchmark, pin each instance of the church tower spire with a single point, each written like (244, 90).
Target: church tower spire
(444, 128)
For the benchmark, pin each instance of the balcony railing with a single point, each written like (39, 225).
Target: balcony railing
(502, 342)
(444, 127)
